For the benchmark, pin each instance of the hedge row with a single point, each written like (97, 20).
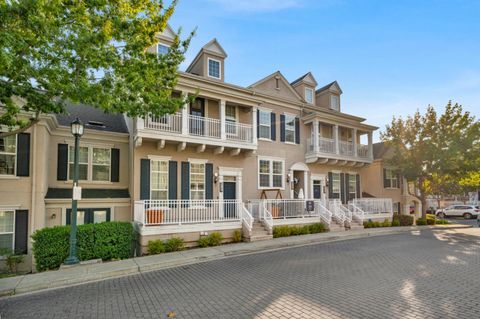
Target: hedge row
(106, 241)
(285, 230)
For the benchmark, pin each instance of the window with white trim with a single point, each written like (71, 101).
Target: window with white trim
(8, 154)
(270, 173)
(197, 181)
(335, 185)
(162, 49)
(352, 186)
(391, 179)
(214, 68)
(7, 229)
(335, 103)
(231, 119)
(290, 128)
(309, 95)
(264, 124)
(93, 163)
(159, 179)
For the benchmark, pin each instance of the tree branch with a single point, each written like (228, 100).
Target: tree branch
(22, 129)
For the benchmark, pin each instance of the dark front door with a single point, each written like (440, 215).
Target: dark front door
(229, 194)
(197, 121)
(317, 189)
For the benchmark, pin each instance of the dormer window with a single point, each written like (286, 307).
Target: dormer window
(309, 95)
(335, 103)
(162, 49)
(213, 68)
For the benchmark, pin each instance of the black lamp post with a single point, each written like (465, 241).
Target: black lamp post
(76, 128)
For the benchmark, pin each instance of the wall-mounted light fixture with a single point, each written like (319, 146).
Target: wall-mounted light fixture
(215, 177)
(288, 178)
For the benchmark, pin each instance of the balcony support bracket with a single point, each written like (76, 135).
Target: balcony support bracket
(181, 146)
(160, 144)
(219, 150)
(235, 152)
(201, 148)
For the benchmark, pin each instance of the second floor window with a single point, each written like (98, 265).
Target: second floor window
(8, 152)
(158, 179)
(309, 95)
(335, 103)
(162, 49)
(214, 68)
(197, 181)
(390, 178)
(93, 163)
(264, 123)
(290, 128)
(231, 119)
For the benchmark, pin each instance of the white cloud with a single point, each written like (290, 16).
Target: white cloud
(256, 5)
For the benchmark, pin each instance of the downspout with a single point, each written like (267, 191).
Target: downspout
(33, 163)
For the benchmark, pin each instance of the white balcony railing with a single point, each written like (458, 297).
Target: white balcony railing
(346, 148)
(167, 123)
(326, 145)
(238, 132)
(204, 126)
(362, 150)
(178, 212)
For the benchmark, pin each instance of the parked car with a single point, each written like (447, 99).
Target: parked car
(465, 211)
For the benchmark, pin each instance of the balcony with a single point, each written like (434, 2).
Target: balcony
(346, 153)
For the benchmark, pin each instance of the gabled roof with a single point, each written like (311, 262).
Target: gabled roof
(306, 78)
(168, 33)
(328, 86)
(212, 47)
(281, 78)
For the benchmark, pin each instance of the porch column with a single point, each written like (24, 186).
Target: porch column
(220, 196)
(185, 115)
(223, 134)
(305, 185)
(370, 145)
(315, 136)
(254, 125)
(140, 123)
(355, 154)
(336, 137)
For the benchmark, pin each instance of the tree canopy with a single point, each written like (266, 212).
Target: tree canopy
(93, 52)
(434, 151)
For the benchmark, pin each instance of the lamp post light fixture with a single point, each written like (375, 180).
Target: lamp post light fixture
(76, 127)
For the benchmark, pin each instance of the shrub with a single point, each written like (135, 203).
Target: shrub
(441, 222)
(316, 228)
(237, 236)
(155, 247)
(395, 223)
(204, 241)
(286, 230)
(421, 222)
(282, 231)
(386, 223)
(109, 240)
(405, 220)
(431, 219)
(214, 239)
(12, 258)
(174, 244)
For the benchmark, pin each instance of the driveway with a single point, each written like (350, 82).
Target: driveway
(420, 274)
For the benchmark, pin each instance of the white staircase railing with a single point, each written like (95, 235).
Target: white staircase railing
(323, 212)
(357, 213)
(266, 217)
(247, 219)
(338, 211)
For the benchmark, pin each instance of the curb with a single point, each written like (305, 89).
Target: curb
(70, 277)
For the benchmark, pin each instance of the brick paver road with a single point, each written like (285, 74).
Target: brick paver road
(418, 275)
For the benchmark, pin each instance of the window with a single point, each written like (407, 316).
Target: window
(390, 179)
(158, 179)
(352, 186)
(197, 181)
(265, 122)
(309, 95)
(290, 128)
(231, 119)
(270, 173)
(162, 49)
(90, 215)
(214, 68)
(7, 227)
(335, 102)
(93, 163)
(335, 185)
(8, 152)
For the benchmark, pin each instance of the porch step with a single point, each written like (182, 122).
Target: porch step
(334, 227)
(258, 238)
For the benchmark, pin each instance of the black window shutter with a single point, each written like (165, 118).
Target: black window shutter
(386, 182)
(23, 154)
(258, 123)
(282, 128)
(209, 181)
(273, 130)
(342, 187)
(62, 162)
(115, 165)
(144, 178)
(359, 195)
(172, 180)
(399, 208)
(297, 130)
(185, 180)
(21, 231)
(330, 185)
(398, 180)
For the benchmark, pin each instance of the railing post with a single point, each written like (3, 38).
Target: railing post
(223, 134)
(315, 136)
(370, 146)
(185, 121)
(355, 153)
(254, 125)
(336, 136)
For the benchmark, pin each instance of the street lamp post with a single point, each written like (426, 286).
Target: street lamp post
(77, 131)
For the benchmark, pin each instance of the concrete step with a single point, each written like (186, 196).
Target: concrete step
(259, 238)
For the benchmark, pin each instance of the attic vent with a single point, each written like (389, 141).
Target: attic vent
(95, 123)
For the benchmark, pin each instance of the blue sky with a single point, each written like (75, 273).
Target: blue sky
(390, 57)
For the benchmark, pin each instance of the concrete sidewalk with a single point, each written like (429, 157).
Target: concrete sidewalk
(93, 272)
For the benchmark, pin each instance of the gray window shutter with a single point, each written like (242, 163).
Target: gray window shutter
(342, 187)
(359, 194)
(144, 178)
(297, 130)
(23, 154)
(172, 180)
(21, 231)
(386, 182)
(273, 130)
(209, 181)
(282, 128)
(185, 180)
(330, 185)
(258, 123)
(115, 165)
(62, 162)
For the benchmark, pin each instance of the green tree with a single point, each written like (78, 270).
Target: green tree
(93, 52)
(434, 151)
(471, 181)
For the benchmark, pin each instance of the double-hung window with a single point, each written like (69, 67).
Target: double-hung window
(335, 103)
(162, 49)
(82, 163)
(101, 164)
(231, 119)
(335, 185)
(290, 128)
(214, 68)
(8, 152)
(159, 179)
(309, 95)
(93, 163)
(270, 173)
(7, 229)
(264, 124)
(197, 181)
(352, 186)
(390, 179)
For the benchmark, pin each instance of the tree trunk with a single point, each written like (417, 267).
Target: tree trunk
(423, 197)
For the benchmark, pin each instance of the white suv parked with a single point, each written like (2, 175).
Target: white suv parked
(467, 211)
